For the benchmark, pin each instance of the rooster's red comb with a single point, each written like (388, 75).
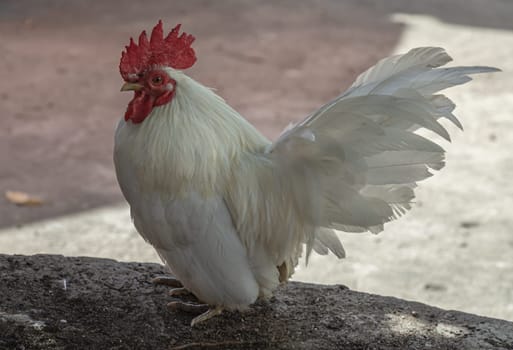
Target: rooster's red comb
(173, 51)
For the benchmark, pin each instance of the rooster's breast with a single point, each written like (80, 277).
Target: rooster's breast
(193, 234)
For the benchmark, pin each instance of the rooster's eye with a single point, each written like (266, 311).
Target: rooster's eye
(157, 80)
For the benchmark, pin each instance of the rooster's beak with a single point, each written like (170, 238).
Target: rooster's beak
(131, 87)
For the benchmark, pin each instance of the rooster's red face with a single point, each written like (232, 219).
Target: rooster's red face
(152, 86)
(155, 88)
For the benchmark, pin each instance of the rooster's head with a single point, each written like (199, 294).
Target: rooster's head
(145, 69)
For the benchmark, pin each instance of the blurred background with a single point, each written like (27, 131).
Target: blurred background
(274, 61)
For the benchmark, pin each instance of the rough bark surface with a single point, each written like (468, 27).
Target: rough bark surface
(56, 302)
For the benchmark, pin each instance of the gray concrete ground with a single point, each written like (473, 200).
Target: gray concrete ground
(454, 250)
(93, 303)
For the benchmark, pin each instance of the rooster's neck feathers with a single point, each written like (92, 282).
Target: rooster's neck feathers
(195, 139)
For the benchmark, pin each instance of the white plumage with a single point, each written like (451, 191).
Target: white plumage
(229, 212)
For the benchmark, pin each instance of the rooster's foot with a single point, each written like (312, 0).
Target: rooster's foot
(208, 312)
(175, 292)
(167, 281)
(212, 312)
(187, 307)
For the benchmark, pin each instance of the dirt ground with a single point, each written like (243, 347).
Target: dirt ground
(274, 61)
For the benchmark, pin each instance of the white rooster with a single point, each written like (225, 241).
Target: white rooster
(228, 211)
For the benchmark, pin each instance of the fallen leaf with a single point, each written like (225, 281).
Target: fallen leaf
(22, 198)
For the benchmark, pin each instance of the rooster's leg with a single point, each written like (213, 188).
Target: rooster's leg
(167, 281)
(213, 311)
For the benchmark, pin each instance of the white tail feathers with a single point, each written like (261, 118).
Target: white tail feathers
(326, 240)
(360, 151)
